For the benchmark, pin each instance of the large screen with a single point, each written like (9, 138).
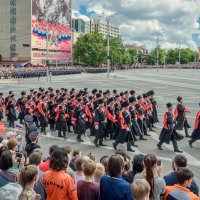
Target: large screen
(51, 30)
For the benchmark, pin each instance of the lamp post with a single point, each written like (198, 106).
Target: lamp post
(108, 43)
(157, 34)
(179, 55)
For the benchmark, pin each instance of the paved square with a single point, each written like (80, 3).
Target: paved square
(167, 84)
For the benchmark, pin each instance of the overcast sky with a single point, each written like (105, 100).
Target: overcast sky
(138, 19)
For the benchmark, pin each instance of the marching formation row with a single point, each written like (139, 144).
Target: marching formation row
(120, 116)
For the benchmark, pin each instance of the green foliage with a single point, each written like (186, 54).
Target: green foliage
(90, 49)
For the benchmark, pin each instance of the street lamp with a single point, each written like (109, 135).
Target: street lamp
(157, 34)
(108, 43)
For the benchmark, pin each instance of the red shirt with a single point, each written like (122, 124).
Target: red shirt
(44, 166)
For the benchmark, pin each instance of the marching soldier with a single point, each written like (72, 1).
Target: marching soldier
(51, 112)
(180, 116)
(135, 126)
(125, 134)
(1, 106)
(21, 105)
(168, 132)
(141, 116)
(154, 108)
(78, 120)
(196, 132)
(60, 118)
(100, 123)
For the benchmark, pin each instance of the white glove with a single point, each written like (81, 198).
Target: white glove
(128, 129)
(96, 127)
(86, 119)
(72, 122)
(105, 121)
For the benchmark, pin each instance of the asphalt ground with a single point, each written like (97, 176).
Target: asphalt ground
(167, 84)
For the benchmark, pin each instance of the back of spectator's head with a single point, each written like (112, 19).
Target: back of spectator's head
(150, 163)
(68, 149)
(35, 159)
(28, 175)
(59, 159)
(2, 149)
(76, 153)
(52, 148)
(1, 139)
(122, 153)
(104, 161)
(78, 164)
(89, 167)
(38, 150)
(115, 165)
(12, 144)
(137, 163)
(180, 161)
(6, 161)
(184, 176)
(91, 156)
(99, 172)
(140, 189)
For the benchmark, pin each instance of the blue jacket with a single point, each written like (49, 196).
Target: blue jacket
(172, 179)
(114, 189)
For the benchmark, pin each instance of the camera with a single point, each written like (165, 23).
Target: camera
(19, 155)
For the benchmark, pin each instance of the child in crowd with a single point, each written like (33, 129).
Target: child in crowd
(27, 179)
(140, 189)
(86, 189)
(99, 172)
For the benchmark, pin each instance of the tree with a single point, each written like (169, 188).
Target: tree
(134, 56)
(90, 49)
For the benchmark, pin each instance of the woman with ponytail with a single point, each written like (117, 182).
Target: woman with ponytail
(152, 172)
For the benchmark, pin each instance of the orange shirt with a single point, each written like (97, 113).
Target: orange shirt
(59, 186)
(179, 192)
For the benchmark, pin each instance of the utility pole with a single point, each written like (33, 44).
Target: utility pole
(108, 43)
(157, 34)
(108, 47)
(47, 52)
(179, 55)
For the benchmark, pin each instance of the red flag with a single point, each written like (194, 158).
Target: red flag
(2, 128)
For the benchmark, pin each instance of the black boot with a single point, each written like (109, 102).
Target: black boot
(59, 134)
(64, 135)
(95, 142)
(175, 145)
(190, 143)
(69, 129)
(142, 138)
(159, 145)
(114, 146)
(186, 132)
(129, 146)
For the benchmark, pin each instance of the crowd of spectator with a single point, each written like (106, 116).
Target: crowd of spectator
(66, 174)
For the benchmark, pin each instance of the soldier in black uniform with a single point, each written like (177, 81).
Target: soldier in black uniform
(60, 119)
(180, 117)
(135, 127)
(51, 112)
(21, 105)
(11, 111)
(78, 120)
(125, 134)
(29, 126)
(196, 132)
(1, 105)
(89, 111)
(140, 117)
(99, 123)
(154, 108)
(111, 118)
(168, 132)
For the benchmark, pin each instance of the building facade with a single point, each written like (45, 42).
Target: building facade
(102, 27)
(78, 25)
(35, 30)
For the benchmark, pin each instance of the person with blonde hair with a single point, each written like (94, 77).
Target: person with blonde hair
(99, 172)
(140, 189)
(87, 189)
(27, 179)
